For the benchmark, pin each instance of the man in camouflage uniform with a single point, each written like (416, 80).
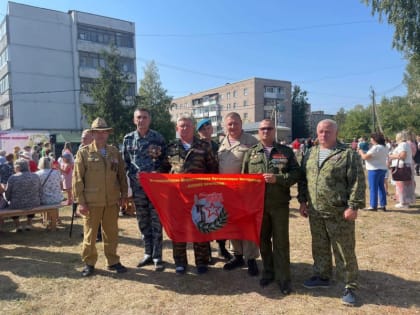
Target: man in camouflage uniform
(144, 150)
(188, 154)
(281, 170)
(231, 153)
(332, 191)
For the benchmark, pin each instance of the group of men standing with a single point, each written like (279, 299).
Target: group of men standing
(331, 189)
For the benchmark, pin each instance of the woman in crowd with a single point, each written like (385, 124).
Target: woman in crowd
(66, 168)
(50, 183)
(402, 155)
(23, 190)
(376, 164)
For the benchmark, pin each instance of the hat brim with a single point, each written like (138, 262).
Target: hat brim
(102, 129)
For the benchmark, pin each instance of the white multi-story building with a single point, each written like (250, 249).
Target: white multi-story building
(47, 58)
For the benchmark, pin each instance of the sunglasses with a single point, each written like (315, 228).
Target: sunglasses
(266, 128)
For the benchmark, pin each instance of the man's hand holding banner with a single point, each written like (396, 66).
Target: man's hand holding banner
(206, 207)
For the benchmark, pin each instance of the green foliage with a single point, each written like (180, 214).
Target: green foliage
(357, 123)
(109, 95)
(405, 16)
(300, 113)
(412, 79)
(394, 114)
(153, 97)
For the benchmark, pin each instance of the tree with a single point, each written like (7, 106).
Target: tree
(154, 97)
(405, 16)
(300, 113)
(412, 79)
(357, 123)
(109, 93)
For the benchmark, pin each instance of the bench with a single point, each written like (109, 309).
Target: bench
(50, 213)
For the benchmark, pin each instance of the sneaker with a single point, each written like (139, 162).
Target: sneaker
(180, 270)
(348, 298)
(236, 262)
(382, 208)
(316, 282)
(159, 266)
(223, 252)
(19, 229)
(118, 268)
(88, 271)
(371, 209)
(400, 205)
(202, 269)
(252, 267)
(147, 260)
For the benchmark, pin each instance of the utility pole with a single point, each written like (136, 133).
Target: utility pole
(375, 116)
(373, 109)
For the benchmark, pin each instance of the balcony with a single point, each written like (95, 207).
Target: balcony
(279, 96)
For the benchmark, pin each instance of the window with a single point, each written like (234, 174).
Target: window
(228, 106)
(228, 95)
(3, 58)
(4, 84)
(245, 116)
(245, 103)
(234, 105)
(105, 36)
(234, 93)
(94, 61)
(245, 91)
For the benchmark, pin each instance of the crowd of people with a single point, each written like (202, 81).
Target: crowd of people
(330, 178)
(31, 177)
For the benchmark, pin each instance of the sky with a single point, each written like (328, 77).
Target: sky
(336, 51)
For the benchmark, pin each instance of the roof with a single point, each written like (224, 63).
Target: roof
(254, 127)
(73, 137)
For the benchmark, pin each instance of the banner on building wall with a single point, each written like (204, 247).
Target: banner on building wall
(11, 139)
(206, 207)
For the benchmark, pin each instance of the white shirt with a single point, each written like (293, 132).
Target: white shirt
(403, 147)
(378, 157)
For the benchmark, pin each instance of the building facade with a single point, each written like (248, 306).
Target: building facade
(254, 99)
(47, 61)
(315, 118)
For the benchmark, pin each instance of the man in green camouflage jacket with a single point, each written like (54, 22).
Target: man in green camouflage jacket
(188, 154)
(332, 191)
(281, 170)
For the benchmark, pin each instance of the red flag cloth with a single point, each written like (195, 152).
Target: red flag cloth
(206, 207)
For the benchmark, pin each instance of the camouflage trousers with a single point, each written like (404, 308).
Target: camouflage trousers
(201, 253)
(338, 234)
(149, 224)
(274, 244)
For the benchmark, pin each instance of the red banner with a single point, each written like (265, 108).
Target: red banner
(206, 207)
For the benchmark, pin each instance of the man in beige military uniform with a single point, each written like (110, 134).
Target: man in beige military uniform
(231, 154)
(100, 186)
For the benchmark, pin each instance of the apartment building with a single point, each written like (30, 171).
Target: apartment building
(315, 117)
(254, 99)
(48, 59)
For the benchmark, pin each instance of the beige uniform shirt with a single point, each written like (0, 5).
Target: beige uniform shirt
(231, 156)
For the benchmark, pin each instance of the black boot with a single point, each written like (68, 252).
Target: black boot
(252, 267)
(236, 262)
(223, 251)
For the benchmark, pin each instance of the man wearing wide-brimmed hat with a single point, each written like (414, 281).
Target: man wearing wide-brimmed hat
(100, 185)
